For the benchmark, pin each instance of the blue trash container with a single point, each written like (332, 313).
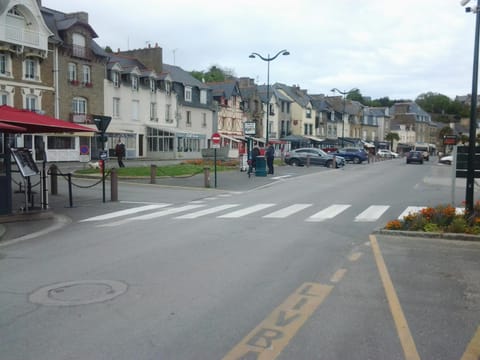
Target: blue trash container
(260, 166)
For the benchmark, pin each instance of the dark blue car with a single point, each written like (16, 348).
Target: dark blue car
(355, 155)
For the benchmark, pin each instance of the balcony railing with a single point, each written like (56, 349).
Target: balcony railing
(25, 37)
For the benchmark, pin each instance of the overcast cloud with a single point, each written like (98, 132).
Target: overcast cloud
(397, 49)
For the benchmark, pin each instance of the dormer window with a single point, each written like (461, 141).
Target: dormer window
(168, 87)
(134, 80)
(188, 94)
(203, 96)
(116, 79)
(79, 45)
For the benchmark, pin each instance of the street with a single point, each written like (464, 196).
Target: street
(290, 269)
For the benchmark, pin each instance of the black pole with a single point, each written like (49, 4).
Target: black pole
(103, 167)
(215, 165)
(70, 198)
(473, 125)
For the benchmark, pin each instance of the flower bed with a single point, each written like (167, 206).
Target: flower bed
(439, 219)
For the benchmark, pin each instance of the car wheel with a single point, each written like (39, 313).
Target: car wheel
(356, 160)
(295, 162)
(329, 164)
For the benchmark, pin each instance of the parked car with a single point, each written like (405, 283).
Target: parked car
(298, 157)
(355, 155)
(414, 157)
(446, 160)
(385, 153)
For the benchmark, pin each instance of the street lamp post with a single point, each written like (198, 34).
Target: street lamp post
(268, 59)
(473, 115)
(344, 93)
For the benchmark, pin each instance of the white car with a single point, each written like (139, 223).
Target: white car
(446, 160)
(387, 154)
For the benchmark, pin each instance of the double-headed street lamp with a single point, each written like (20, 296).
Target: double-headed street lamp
(268, 59)
(344, 93)
(473, 115)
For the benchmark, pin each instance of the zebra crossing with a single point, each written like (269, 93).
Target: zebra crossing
(197, 209)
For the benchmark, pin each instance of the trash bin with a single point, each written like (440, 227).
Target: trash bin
(260, 166)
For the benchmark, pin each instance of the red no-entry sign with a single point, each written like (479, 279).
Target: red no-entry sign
(216, 139)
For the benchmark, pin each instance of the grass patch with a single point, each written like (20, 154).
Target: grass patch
(186, 168)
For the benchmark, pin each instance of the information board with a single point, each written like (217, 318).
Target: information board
(26, 165)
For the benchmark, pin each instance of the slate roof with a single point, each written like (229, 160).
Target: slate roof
(226, 89)
(297, 95)
(179, 75)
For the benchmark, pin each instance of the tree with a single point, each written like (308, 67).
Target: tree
(391, 136)
(214, 74)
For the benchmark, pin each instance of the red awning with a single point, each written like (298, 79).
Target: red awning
(8, 128)
(31, 122)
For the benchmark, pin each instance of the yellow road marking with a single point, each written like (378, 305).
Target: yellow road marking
(355, 256)
(274, 333)
(339, 274)
(473, 349)
(406, 339)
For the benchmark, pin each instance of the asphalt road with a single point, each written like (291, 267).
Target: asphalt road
(284, 267)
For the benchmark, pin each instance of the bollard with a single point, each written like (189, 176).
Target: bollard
(153, 174)
(308, 160)
(53, 179)
(206, 176)
(334, 162)
(70, 197)
(113, 185)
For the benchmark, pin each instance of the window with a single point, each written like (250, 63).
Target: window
(3, 98)
(31, 102)
(203, 96)
(189, 118)
(309, 113)
(188, 93)
(204, 120)
(116, 107)
(168, 113)
(159, 140)
(86, 75)
(135, 107)
(72, 72)
(79, 106)
(153, 112)
(78, 46)
(31, 69)
(61, 142)
(5, 65)
(116, 79)
(153, 86)
(134, 82)
(168, 87)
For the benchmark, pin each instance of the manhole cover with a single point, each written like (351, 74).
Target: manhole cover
(81, 292)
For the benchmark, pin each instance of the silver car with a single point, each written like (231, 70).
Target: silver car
(313, 156)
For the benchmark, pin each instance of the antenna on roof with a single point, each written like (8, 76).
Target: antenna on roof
(174, 51)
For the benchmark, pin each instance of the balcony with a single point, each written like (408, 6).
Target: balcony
(24, 37)
(81, 52)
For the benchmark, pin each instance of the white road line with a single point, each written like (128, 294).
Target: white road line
(199, 213)
(372, 213)
(328, 213)
(289, 210)
(410, 209)
(125, 212)
(246, 211)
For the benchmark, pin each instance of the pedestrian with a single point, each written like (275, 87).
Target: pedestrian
(253, 160)
(120, 153)
(270, 155)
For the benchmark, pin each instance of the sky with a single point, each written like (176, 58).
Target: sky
(397, 49)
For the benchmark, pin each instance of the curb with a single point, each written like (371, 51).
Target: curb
(429, 235)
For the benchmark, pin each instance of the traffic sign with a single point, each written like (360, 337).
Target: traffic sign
(216, 140)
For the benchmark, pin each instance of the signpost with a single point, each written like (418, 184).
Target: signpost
(215, 145)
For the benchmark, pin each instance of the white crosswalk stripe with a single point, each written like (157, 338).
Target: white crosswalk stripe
(191, 211)
(204, 212)
(285, 212)
(328, 213)
(372, 213)
(247, 211)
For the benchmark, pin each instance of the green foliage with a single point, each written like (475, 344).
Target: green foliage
(446, 109)
(214, 74)
(392, 136)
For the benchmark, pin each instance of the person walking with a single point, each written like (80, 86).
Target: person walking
(253, 160)
(120, 153)
(270, 155)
